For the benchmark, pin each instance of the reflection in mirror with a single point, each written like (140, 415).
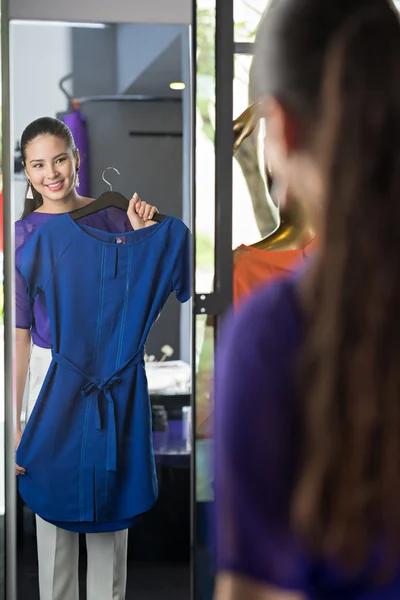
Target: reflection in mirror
(101, 451)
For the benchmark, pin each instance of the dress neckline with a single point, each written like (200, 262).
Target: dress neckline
(94, 234)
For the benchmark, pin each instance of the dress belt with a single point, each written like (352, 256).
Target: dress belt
(105, 387)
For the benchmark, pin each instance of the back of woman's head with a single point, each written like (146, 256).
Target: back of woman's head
(347, 497)
(39, 127)
(292, 42)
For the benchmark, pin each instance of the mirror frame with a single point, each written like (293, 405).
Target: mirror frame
(10, 520)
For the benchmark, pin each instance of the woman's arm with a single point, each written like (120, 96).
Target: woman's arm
(23, 349)
(233, 587)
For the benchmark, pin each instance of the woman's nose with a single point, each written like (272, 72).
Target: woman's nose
(51, 172)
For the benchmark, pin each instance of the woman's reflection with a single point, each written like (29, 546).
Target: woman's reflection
(51, 162)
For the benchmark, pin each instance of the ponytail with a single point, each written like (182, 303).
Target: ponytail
(348, 492)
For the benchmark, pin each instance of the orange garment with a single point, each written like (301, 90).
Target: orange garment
(253, 267)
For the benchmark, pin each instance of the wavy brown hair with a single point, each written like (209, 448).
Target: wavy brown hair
(349, 490)
(346, 503)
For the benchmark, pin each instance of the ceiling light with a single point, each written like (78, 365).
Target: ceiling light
(59, 24)
(177, 85)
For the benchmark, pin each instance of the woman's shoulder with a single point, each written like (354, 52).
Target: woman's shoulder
(26, 226)
(273, 308)
(260, 341)
(23, 230)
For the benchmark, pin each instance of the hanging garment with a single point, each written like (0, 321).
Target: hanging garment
(87, 447)
(34, 315)
(253, 267)
(76, 122)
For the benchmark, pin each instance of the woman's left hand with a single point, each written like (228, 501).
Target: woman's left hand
(140, 213)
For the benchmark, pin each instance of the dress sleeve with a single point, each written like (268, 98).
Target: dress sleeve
(181, 280)
(36, 262)
(23, 305)
(255, 449)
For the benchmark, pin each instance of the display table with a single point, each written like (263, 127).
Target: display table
(163, 533)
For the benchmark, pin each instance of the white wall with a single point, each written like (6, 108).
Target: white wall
(106, 11)
(138, 46)
(35, 73)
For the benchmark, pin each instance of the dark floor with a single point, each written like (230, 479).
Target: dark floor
(158, 552)
(155, 540)
(145, 581)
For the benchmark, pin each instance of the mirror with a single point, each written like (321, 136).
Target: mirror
(90, 291)
(2, 378)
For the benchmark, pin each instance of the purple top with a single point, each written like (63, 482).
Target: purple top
(34, 316)
(256, 453)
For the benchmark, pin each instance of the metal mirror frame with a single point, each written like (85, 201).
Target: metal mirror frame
(219, 300)
(10, 522)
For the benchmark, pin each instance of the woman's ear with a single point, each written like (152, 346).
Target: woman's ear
(280, 136)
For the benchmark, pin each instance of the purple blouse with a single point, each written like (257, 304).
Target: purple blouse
(256, 454)
(34, 316)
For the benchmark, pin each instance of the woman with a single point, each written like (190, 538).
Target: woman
(51, 163)
(307, 425)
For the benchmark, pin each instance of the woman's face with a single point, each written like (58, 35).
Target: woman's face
(51, 166)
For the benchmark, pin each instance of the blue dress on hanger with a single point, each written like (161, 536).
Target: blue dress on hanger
(87, 447)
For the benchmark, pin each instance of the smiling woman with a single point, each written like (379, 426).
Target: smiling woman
(51, 162)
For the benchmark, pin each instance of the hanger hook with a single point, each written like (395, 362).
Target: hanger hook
(105, 180)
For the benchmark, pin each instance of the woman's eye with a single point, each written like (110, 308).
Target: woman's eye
(36, 166)
(61, 160)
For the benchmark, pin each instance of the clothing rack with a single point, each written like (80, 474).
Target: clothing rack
(77, 102)
(128, 98)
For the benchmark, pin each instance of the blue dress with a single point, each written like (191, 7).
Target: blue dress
(87, 447)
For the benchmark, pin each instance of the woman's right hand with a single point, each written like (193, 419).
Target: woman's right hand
(18, 470)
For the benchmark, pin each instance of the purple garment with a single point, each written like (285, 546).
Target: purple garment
(256, 454)
(35, 317)
(77, 124)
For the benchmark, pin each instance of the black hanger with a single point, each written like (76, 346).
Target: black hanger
(65, 92)
(108, 200)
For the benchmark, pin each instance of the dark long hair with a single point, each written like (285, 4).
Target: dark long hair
(43, 126)
(336, 64)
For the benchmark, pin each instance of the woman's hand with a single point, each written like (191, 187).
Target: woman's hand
(18, 470)
(140, 213)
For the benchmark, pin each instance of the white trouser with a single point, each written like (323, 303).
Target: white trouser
(58, 549)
